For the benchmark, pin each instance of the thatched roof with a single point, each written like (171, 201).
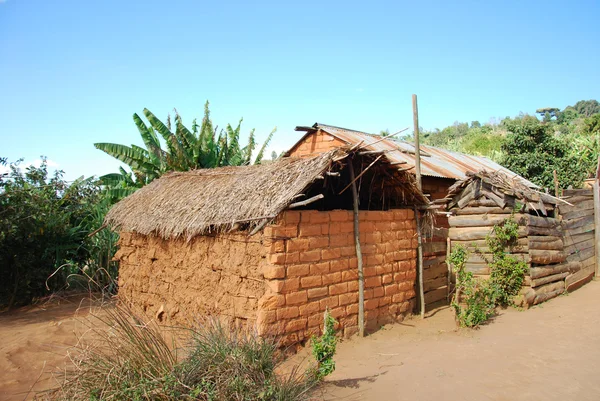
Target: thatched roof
(186, 204)
(500, 188)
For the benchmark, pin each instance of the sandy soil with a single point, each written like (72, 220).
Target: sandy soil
(34, 341)
(551, 352)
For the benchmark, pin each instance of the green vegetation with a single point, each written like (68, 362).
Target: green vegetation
(129, 359)
(506, 271)
(475, 300)
(44, 230)
(567, 141)
(186, 149)
(323, 348)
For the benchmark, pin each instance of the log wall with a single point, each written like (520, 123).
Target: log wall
(579, 232)
(560, 250)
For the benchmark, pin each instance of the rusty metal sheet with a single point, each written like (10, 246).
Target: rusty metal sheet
(435, 162)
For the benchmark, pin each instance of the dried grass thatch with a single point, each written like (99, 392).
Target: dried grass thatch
(186, 204)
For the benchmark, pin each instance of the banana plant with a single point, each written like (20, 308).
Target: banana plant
(184, 150)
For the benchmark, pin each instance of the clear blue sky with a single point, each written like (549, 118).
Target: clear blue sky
(73, 72)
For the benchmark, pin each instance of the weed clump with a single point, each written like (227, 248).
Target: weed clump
(132, 360)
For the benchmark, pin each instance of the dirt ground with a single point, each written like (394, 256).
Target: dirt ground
(551, 352)
(34, 341)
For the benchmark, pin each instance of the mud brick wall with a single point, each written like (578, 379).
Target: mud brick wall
(316, 143)
(312, 266)
(179, 282)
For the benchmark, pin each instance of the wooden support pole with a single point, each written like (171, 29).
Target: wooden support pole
(596, 188)
(448, 246)
(361, 279)
(420, 263)
(306, 201)
(417, 147)
(556, 190)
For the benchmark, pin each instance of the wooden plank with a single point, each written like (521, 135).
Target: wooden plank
(577, 192)
(435, 271)
(427, 262)
(485, 220)
(571, 239)
(571, 249)
(477, 233)
(581, 255)
(478, 210)
(434, 284)
(555, 244)
(577, 213)
(436, 295)
(573, 200)
(547, 257)
(433, 248)
(544, 289)
(580, 206)
(467, 191)
(588, 262)
(547, 222)
(543, 271)
(549, 295)
(596, 193)
(553, 232)
(482, 202)
(549, 279)
(576, 280)
(578, 222)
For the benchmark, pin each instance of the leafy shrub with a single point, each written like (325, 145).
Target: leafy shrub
(323, 348)
(474, 300)
(506, 271)
(480, 297)
(44, 229)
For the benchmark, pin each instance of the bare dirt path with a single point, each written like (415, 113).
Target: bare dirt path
(33, 343)
(551, 352)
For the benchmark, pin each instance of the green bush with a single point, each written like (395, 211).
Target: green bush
(506, 271)
(323, 348)
(474, 300)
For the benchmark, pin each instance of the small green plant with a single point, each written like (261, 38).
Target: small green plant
(323, 348)
(506, 271)
(474, 300)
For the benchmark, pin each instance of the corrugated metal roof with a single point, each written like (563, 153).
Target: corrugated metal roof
(435, 162)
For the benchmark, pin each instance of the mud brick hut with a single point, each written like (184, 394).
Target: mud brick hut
(545, 238)
(440, 169)
(273, 245)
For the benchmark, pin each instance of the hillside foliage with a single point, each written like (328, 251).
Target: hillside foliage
(567, 141)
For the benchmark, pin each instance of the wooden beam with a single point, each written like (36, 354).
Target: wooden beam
(420, 262)
(361, 278)
(306, 201)
(417, 147)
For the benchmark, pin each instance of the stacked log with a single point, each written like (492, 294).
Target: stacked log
(549, 266)
(471, 225)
